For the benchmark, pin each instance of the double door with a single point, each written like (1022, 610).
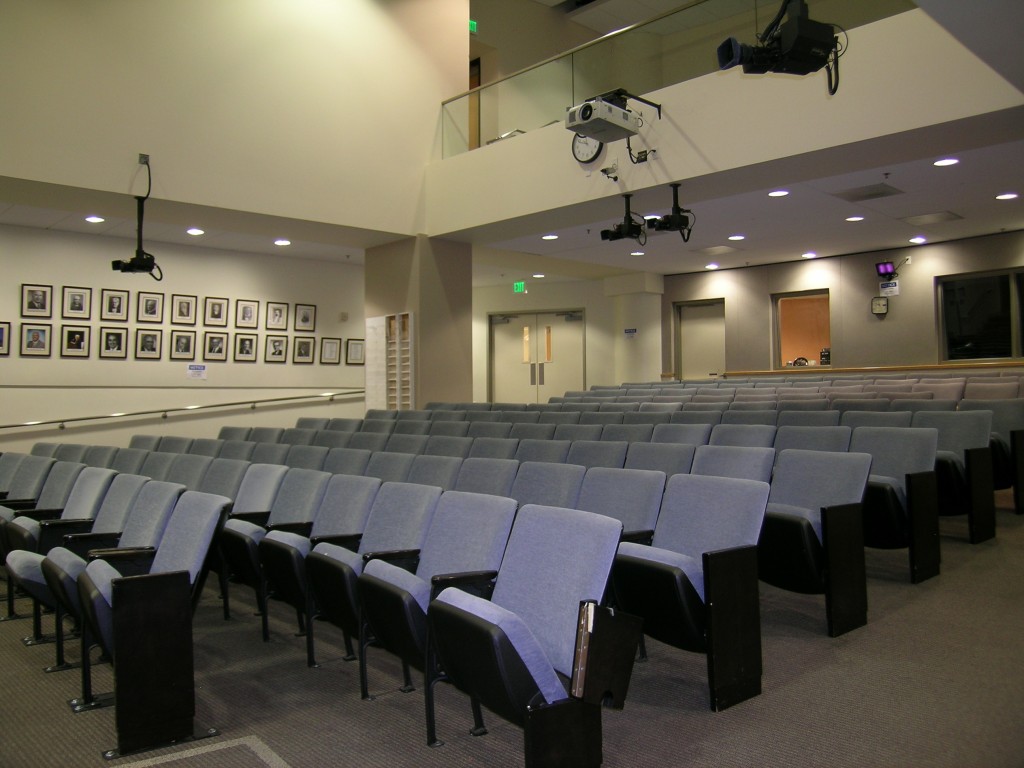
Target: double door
(535, 356)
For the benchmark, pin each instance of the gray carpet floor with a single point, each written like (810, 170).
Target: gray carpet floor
(936, 678)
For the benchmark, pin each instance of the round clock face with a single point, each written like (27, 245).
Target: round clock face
(879, 305)
(585, 149)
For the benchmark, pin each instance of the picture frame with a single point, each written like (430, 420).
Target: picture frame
(113, 343)
(113, 305)
(275, 349)
(76, 303)
(303, 349)
(183, 309)
(277, 316)
(330, 351)
(355, 352)
(5, 339)
(245, 347)
(305, 317)
(35, 339)
(183, 345)
(149, 307)
(36, 300)
(215, 346)
(215, 311)
(247, 313)
(148, 343)
(75, 340)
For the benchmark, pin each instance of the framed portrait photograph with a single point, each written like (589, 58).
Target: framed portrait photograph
(35, 339)
(113, 343)
(305, 317)
(77, 303)
(247, 314)
(245, 347)
(215, 346)
(113, 305)
(148, 344)
(215, 311)
(277, 316)
(36, 300)
(5, 339)
(149, 307)
(276, 349)
(302, 349)
(330, 351)
(183, 345)
(74, 340)
(355, 352)
(183, 309)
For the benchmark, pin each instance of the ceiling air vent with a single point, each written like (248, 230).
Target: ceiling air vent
(932, 218)
(870, 192)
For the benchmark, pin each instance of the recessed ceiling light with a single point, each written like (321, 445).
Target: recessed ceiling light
(778, 193)
(636, 253)
(195, 231)
(737, 237)
(549, 237)
(712, 265)
(918, 240)
(809, 255)
(945, 162)
(855, 218)
(539, 275)
(95, 219)
(1007, 196)
(282, 241)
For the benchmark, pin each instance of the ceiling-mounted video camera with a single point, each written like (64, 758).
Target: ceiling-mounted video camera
(628, 227)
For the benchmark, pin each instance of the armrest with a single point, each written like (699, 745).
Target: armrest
(130, 561)
(83, 543)
(19, 504)
(53, 532)
(346, 540)
(638, 537)
(480, 583)
(259, 518)
(303, 529)
(403, 558)
(40, 514)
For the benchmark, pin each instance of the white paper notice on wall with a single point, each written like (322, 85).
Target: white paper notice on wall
(196, 371)
(890, 288)
(629, 333)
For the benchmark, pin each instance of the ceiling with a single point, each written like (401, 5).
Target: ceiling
(896, 188)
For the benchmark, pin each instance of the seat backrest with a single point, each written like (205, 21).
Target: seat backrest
(897, 451)
(44, 448)
(413, 414)
(30, 476)
(816, 479)
(74, 452)
(330, 438)
(863, 403)
(745, 463)
(237, 449)
(117, 503)
(696, 417)
(548, 483)
(670, 458)
(630, 433)
(189, 533)
(543, 450)
(647, 417)
(449, 428)
(228, 432)
(703, 513)
(750, 416)
(157, 464)
(994, 390)
(269, 453)
(520, 416)
(312, 422)
(345, 424)
(468, 532)
(259, 487)
(86, 497)
(265, 434)
(597, 453)
(383, 426)
(631, 496)
(174, 444)
(188, 469)
(448, 445)
(59, 483)
(536, 431)
(399, 518)
(347, 461)
(559, 417)
(224, 477)
(145, 442)
(687, 434)
(149, 513)
(345, 506)
(809, 403)
(958, 430)
(298, 496)
(813, 438)
(370, 441)
(441, 471)
(819, 418)
(402, 443)
(411, 427)
(854, 419)
(306, 456)
(129, 460)
(577, 432)
(487, 475)
(298, 436)
(543, 579)
(206, 446)
(489, 428)
(748, 435)
(389, 467)
(949, 389)
(9, 463)
(493, 448)
(1007, 415)
(601, 417)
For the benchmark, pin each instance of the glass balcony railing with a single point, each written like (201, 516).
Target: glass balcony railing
(663, 51)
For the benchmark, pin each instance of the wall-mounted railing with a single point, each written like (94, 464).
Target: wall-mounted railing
(667, 49)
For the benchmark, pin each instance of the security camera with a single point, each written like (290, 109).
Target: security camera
(141, 262)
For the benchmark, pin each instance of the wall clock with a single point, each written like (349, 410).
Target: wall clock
(585, 149)
(880, 305)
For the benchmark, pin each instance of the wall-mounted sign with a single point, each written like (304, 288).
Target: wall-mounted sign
(519, 287)
(629, 333)
(889, 288)
(196, 371)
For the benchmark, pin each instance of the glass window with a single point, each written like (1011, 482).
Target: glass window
(804, 329)
(977, 318)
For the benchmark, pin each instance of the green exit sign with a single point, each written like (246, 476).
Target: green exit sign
(519, 287)
(472, 27)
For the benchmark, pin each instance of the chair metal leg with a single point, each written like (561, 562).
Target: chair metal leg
(431, 677)
(479, 729)
(364, 641)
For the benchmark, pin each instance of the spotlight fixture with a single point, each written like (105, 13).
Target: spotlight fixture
(797, 46)
(886, 269)
(141, 261)
(678, 220)
(628, 227)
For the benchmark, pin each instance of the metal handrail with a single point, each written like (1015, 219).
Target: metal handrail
(163, 412)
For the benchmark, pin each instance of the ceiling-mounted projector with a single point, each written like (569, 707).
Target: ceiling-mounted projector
(598, 119)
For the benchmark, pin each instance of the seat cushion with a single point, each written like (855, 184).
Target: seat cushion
(813, 516)
(694, 569)
(408, 582)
